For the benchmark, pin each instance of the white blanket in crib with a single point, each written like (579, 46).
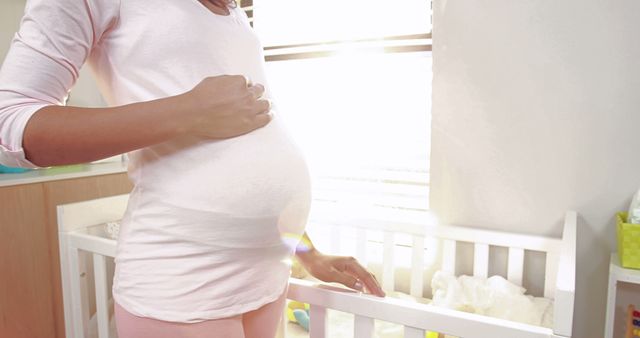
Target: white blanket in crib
(493, 296)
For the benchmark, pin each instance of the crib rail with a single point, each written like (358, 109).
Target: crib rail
(416, 318)
(559, 268)
(566, 278)
(449, 238)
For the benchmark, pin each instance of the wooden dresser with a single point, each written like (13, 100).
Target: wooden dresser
(30, 286)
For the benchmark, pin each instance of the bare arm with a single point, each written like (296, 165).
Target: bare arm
(219, 107)
(58, 135)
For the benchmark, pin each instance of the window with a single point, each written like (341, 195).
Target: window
(353, 81)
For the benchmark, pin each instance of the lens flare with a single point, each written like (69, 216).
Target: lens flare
(293, 241)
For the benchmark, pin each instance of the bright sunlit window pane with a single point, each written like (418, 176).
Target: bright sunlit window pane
(363, 123)
(286, 22)
(360, 110)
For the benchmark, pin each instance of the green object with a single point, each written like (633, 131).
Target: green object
(64, 169)
(628, 242)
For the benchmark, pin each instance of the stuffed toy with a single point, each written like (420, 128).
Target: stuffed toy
(298, 312)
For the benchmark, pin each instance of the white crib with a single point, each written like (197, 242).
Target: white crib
(83, 243)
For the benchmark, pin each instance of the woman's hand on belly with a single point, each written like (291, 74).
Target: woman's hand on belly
(223, 107)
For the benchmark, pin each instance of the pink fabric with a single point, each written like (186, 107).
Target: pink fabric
(262, 322)
(131, 326)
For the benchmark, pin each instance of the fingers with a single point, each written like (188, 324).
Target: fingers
(256, 90)
(242, 80)
(247, 81)
(347, 280)
(262, 120)
(355, 269)
(263, 106)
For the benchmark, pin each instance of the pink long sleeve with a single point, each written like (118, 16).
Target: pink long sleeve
(46, 54)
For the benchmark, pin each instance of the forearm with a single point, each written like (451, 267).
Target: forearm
(59, 135)
(218, 107)
(305, 249)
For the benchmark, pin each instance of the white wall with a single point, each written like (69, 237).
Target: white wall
(84, 94)
(536, 111)
(10, 14)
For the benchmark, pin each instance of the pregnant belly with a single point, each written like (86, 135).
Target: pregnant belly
(255, 186)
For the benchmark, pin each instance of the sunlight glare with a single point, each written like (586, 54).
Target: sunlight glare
(285, 22)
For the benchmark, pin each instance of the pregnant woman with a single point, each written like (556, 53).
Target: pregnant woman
(221, 193)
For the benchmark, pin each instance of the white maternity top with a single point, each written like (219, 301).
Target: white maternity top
(210, 224)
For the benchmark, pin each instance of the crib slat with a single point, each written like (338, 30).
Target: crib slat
(317, 321)
(363, 327)
(361, 246)
(449, 256)
(481, 260)
(102, 294)
(76, 293)
(387, 261)
(515, 266)
(417, 266)
(412, 332)
(550, 274)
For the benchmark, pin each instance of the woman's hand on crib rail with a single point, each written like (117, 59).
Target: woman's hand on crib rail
(341, 269)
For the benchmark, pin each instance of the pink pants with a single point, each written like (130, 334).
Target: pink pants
(262, 322)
